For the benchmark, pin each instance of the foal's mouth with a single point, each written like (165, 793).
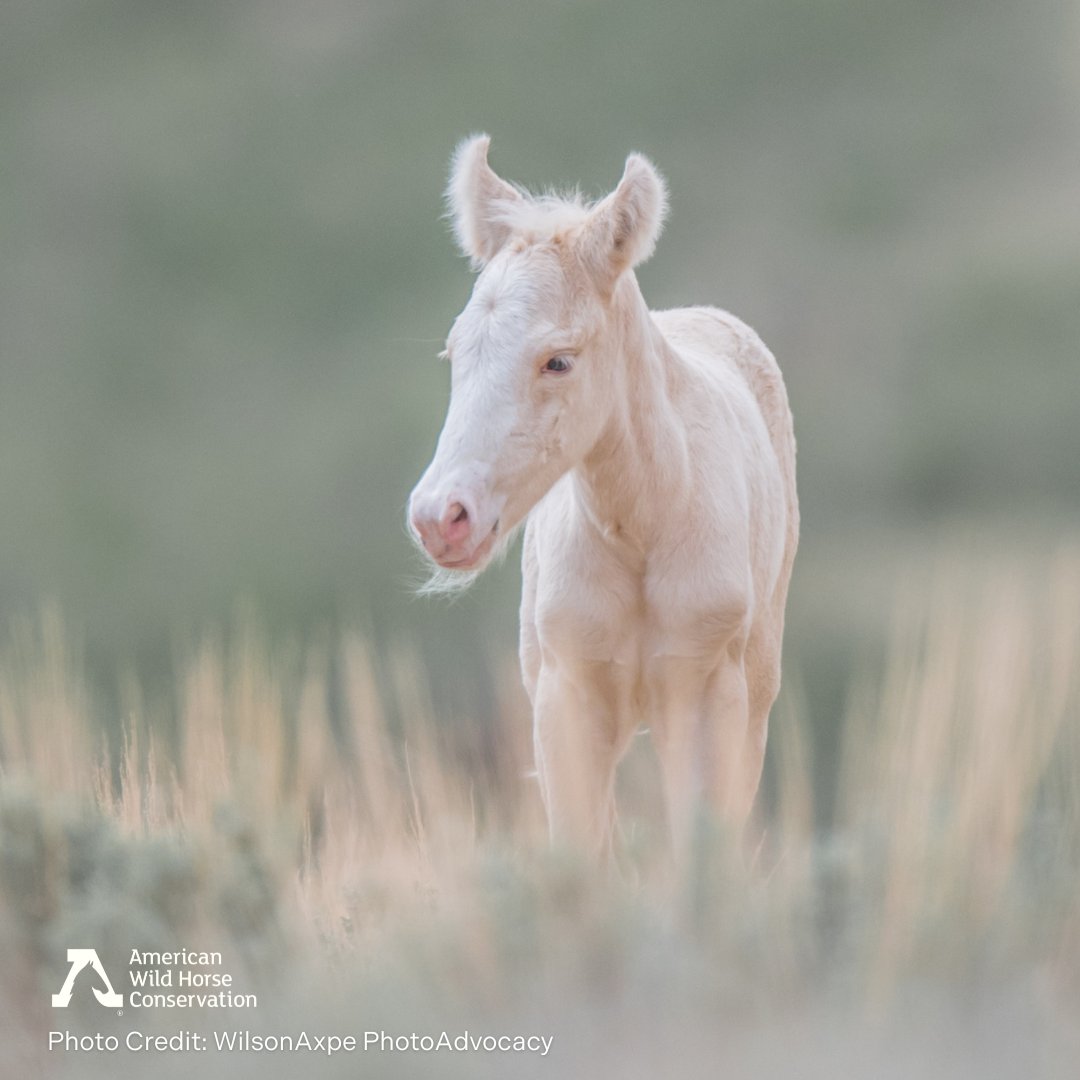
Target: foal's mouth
(478, 555)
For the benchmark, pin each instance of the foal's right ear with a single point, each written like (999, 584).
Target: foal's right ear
(479, 201)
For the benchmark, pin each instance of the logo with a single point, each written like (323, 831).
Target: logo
(79, 959)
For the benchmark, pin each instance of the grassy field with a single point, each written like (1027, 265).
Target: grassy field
(366, 860)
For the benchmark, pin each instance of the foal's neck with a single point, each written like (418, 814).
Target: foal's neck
(635, 478)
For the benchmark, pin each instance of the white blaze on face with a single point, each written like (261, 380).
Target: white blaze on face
(496, 449)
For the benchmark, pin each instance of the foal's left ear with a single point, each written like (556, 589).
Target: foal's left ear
(622, 229)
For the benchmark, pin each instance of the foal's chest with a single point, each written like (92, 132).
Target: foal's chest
(618, 622)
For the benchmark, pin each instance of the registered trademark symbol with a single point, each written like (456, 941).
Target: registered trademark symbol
(119, 1012)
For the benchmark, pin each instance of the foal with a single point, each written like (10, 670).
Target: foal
(652, 459)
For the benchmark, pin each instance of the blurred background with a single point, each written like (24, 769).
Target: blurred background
(225, 280)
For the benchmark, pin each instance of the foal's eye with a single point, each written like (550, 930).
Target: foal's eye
(558, 364)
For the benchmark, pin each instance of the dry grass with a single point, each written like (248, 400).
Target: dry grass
(365, 871)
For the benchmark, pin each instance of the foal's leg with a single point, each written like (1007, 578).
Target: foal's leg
(578, 740)
(700, 723)
(763, 685)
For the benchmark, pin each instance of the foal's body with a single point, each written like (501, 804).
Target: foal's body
(652, 458)
(645, 603)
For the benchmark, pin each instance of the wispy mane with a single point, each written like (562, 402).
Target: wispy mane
(545, 216)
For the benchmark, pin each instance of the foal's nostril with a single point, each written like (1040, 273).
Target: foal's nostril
(455, 525)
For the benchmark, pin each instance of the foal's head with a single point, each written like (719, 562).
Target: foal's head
(533, 355)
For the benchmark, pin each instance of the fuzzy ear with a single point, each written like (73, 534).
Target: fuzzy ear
(623, 228)
(479, 201)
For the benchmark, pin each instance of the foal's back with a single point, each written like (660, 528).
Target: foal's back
(728, 339)
(725, 339)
